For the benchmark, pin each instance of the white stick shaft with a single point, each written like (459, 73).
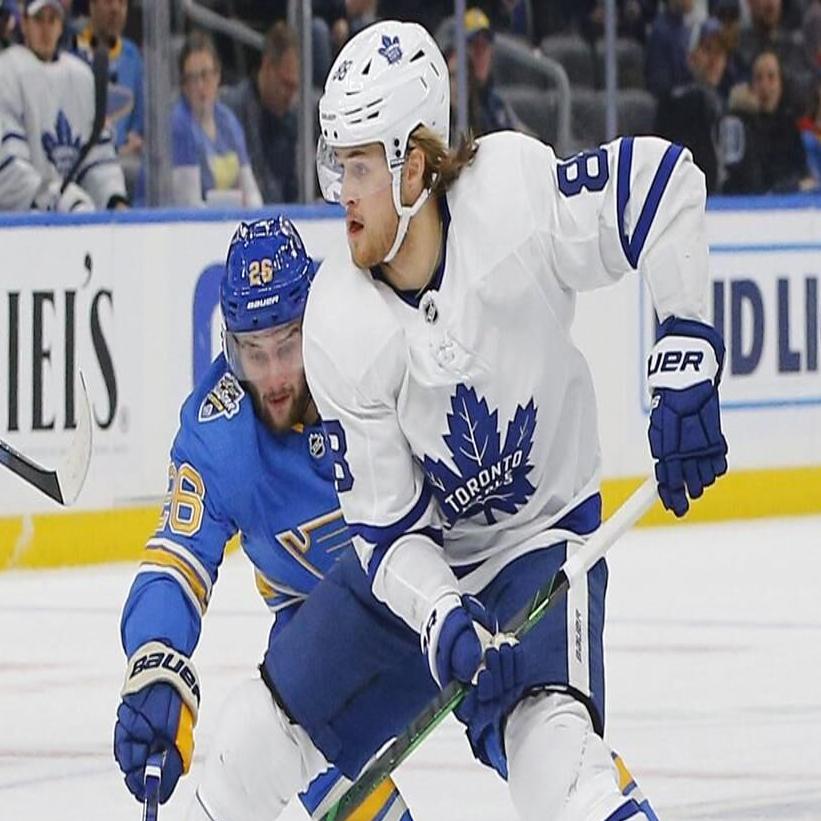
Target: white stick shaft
(622, 520)
(74, 466)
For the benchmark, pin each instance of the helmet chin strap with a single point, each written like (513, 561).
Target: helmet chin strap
(405, 212)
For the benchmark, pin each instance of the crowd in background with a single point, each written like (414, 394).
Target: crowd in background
(736, 81)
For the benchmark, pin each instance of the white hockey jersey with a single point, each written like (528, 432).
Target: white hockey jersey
(473, 414)
(47, 113)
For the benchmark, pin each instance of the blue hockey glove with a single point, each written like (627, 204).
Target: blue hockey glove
(455, 635)
(683, 372)
(463, 643)
(158, 711)
(499, 686)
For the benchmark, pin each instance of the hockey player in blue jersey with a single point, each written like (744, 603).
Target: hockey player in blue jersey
(463, 425)
(249, 457)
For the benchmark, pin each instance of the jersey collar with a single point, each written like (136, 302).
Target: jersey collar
(413, 297)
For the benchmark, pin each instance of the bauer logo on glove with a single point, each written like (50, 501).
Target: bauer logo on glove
(157, 662)
(677, 363)
(683, 373)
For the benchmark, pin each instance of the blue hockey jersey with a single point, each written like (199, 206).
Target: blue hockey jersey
(229, 474)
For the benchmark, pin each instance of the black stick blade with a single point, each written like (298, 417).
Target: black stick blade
(64, 484)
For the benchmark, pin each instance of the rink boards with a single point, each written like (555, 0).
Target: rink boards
(132, 300)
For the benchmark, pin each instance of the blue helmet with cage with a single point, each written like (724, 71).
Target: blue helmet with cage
(267, 276)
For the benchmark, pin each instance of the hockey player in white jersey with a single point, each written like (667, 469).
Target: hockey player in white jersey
(463, 422)
(47, 111)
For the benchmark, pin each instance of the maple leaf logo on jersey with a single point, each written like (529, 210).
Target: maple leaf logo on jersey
(61, 147)
(491, 477)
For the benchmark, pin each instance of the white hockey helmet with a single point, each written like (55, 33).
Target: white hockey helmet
(387, 80)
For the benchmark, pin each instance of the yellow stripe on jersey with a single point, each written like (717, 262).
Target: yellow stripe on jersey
(264, 587)
(270, 591)
(162, 557)
(188, 557)
(375, 802)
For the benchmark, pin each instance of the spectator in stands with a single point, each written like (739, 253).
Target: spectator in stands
(47, 112)
(708, 57)
(344, 18)
(810, 128)
(728, 14)
(666, 63)
(633, 17)
(264, 105)
(73, 19)
(334, 15)
(763, 148)
(429, 14)
(487, 110)
(106, 22)
(209, 154)
(262, 15)
(510, 16)
(766, 32)
(8, 22)
(360, 14)
(690, 113)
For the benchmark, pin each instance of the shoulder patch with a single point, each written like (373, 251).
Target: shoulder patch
(222, 400)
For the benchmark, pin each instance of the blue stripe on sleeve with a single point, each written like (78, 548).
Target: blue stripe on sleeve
(14, 135)
(377, 534)
(7, 161)
(633, 246)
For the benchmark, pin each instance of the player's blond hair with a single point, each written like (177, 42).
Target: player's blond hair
(443, 165)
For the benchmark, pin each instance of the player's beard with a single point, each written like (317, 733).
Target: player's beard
(374, 242)
(286, 417)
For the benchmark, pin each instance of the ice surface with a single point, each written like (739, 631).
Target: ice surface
(714, 683)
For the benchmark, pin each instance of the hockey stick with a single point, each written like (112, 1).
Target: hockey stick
(64, 484)
(99, 68)
(575, 567)
(153, 776)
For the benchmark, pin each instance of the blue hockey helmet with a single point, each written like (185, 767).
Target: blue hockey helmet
(267, 276)
(265, 285)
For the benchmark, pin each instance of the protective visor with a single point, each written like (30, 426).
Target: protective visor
(261, 357)
(358, 174)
